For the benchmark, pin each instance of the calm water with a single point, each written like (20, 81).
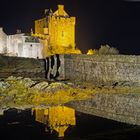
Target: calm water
(21, 126)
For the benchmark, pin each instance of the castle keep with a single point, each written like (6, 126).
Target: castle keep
(57, 32)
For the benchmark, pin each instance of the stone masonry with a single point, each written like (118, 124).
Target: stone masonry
(96, 69)
(123, 107)
(102, 69)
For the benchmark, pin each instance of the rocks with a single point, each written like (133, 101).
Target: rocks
(19, 92)
(56, 86)
(27, 82)
(12, 78)
(4, 85)
(41, 86)
(51, 88)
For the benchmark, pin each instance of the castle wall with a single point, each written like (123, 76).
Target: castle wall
(62, 32)
(96, 69)
(102, 69)
(3, 41)
(31, 50)
(17, 46)
(40, 25)
(12, 44)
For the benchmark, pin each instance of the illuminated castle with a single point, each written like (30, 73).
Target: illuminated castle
(54, 34)
(57, 32)
(57, 118)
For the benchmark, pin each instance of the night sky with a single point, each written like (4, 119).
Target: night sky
(116, 23)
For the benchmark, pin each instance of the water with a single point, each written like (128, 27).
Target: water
(21, 126)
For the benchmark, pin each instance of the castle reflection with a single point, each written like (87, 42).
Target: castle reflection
(57, 118)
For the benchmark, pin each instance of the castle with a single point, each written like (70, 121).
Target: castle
(54, 34)
(57, 32)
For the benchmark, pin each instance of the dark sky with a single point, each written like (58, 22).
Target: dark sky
(116, 23)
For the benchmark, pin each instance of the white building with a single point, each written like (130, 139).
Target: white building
(20, 45)
(3, 41)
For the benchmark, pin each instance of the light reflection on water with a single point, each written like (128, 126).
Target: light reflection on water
(57, 118)
(15, 125)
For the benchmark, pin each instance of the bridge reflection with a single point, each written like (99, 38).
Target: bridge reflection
(57, 118)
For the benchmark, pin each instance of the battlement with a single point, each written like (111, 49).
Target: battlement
(66, 20)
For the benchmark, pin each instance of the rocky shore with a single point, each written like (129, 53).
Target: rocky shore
(22, 92)
(19, 92)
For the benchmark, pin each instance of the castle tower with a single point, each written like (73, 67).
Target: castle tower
(57, 30)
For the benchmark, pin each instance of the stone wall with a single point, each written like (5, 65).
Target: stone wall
(51, 68)
(97, 69)
(120, 107)
(102, 69)
(25, 67)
